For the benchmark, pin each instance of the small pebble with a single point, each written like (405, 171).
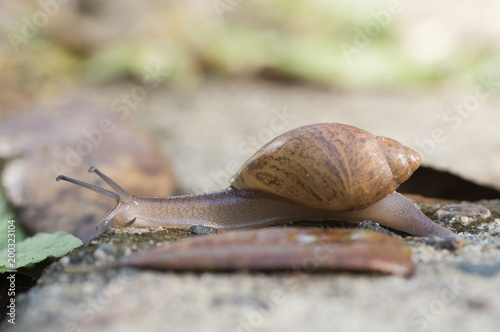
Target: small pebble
(202, 230)
(462, 213)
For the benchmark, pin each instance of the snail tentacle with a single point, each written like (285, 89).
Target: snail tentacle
(325, 171)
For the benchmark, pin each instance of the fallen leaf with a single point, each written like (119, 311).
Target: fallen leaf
(35, 249)
(272, 249)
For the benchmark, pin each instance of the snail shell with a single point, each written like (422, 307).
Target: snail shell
(316, 172)
(329, 166)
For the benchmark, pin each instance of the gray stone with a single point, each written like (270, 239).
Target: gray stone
(454, 288)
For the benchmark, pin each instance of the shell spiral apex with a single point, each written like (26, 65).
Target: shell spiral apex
(328, 166)
(402, 159)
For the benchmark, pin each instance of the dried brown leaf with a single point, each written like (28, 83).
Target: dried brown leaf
(272, 249)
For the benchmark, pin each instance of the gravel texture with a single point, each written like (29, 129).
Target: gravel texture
(454, 287)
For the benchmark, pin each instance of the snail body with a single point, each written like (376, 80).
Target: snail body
(316, 172)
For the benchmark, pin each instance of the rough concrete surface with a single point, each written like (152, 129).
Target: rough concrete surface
(453, 288)
(213, 129)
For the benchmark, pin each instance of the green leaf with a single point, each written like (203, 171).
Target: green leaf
(35, 249)
(5, 216)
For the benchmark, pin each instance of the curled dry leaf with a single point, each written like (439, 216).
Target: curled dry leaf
(38, 144)
(271, 249)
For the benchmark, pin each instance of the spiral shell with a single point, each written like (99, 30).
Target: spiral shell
(328, 166)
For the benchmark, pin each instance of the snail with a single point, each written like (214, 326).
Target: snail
(326, 171)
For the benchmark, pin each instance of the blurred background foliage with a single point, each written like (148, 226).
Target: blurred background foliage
(51, 45)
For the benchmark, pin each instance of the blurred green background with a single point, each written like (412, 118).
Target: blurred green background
(51, 45)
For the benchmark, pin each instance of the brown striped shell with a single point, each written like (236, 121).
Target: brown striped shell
(328, 166)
